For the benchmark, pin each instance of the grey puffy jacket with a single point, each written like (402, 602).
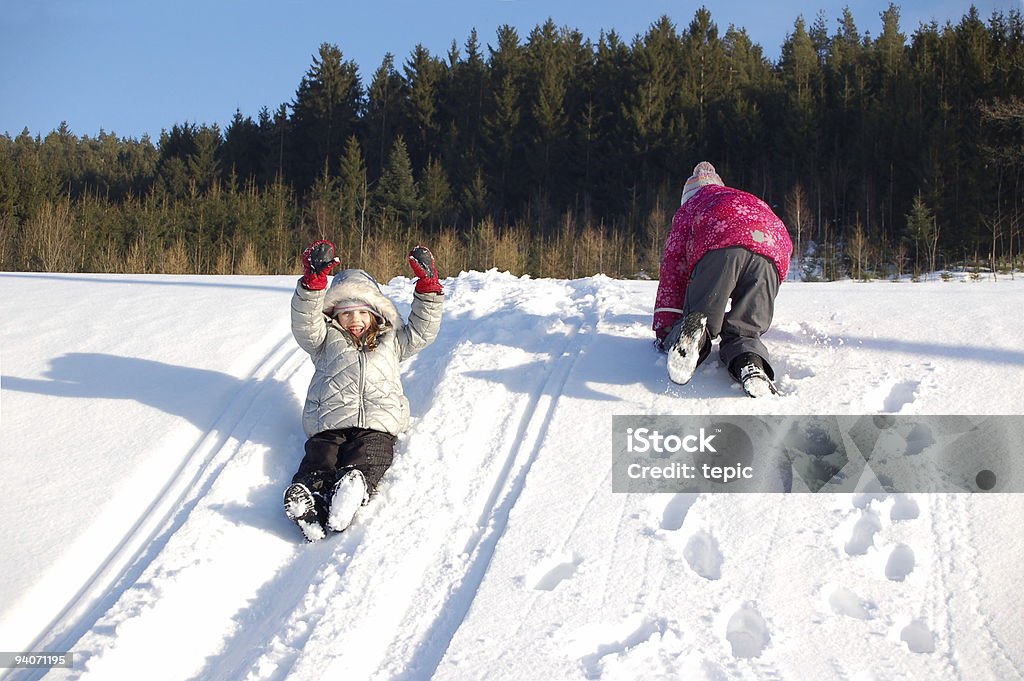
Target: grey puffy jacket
(350, 387)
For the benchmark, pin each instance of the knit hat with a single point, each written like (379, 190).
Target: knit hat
(703, 174)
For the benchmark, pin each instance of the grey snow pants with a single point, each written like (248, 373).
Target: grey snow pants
(751, 282)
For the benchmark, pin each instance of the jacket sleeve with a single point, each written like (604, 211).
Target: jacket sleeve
(309, 326)
(423, 326)
(673, 278)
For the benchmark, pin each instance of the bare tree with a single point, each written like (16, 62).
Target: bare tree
(858, 249)
(798, 218)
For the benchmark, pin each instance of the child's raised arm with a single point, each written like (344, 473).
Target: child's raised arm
(425, 318)
(422, 262)
(317, 262)
(308, 324)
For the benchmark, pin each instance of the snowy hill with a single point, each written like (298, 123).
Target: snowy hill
(151, 423)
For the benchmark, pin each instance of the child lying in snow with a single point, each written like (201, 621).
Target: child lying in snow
(355, 405)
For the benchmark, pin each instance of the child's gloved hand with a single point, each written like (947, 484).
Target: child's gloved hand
(661, 334)
(422, 262)
(317, 262)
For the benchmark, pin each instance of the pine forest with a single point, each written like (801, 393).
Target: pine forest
(557, 155)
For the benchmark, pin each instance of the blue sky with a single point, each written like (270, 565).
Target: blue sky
(134, 67)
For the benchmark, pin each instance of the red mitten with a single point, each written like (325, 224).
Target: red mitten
(422, 262)
(317, 262)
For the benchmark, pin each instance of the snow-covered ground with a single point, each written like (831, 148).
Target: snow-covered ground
(150, 424)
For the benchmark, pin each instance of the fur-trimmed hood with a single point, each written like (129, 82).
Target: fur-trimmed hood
(356, 288)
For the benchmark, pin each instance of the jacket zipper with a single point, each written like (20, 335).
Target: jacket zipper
(361, 415)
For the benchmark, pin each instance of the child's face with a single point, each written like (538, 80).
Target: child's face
(355, 321)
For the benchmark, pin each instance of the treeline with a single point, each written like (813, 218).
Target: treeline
(555, 155)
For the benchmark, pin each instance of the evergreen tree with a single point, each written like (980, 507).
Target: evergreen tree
(547, 74)
(244, 147)
(504, 158)
(798, 140)
(325, 111)
(354, 186)
(59, 153)
(845, 76)
(653, 109)
(177, 148)
(204, 163)
(608, 172)
(889, 126)
(383, 113)
(476, 199)
(9, 194)
(423, 79)
(397, 193)
(463, 105)
(435, 192)
(972, 70)
(704, 76)
(274, 135)
(739, 119)
(324, 210)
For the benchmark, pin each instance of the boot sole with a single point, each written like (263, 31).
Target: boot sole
(300, 508)
(684, 355)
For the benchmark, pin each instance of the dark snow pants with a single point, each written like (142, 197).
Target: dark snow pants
(751, 282)
(332, 451)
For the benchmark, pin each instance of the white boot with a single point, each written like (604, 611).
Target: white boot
(350, 493)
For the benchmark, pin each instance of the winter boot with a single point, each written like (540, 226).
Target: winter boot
(306, 509)
(350, 492)
(749, 370)
(690, 349)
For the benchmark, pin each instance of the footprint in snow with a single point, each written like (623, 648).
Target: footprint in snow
(900, 563)
(862, 537)
(703, 557)
(918, 637)
(900, 395)
(674, 515)
(842, 601)
(548, 575)
(623, 641)
(904, 508)
(747, 632)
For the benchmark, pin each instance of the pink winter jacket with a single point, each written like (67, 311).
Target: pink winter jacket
(716, 217)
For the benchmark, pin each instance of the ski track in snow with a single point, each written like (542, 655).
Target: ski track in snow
(389, 598)
(118, 577)
(984, 654)
(526, 443)
(305, 603)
